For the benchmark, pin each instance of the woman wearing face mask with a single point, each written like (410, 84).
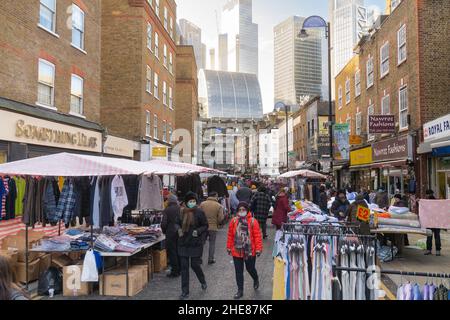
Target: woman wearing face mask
(192, 233)
(244, 244)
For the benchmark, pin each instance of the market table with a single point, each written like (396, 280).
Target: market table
(146, 247)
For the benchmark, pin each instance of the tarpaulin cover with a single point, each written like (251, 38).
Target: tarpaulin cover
(303, 174)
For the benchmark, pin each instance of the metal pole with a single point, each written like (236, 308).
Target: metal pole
(330, 106)
(287, 137)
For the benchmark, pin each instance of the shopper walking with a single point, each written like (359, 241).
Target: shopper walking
(340, 206)
(192, 232)
(282, 209)
(382, 199)
(244, 244)
(436, 233)
(323, 200)
(352, 214)
(170, 229)
(8, 290)
(214, 213)
(244, 194)
(260, 207)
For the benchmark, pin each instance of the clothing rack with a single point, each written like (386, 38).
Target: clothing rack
(396, 272)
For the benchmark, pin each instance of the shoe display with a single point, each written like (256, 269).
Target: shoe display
(238, 295)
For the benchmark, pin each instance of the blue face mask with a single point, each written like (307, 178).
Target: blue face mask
(191, 204)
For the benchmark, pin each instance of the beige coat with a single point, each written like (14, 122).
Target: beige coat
(214, 213)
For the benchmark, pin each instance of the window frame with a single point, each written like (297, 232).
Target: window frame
(156, 45)
(171, 98)
(370, 72)
(358, 123)
(340, 98)
(383, 101)
(150, 36)
(52, 105)
(165, 56)
(165, 93)
(148, 124)
(384, 61)
(53, 30)
(400, 90)
(402, 46)
(155, 126)
(357, 83)
(149, 80)
(164, 137)
(156, 85)
(82, 94)
(171, 62)
(370, 112)
(348, 97)
(166, 18)
(82, 47)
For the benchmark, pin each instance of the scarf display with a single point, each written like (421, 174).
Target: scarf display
(242, 240)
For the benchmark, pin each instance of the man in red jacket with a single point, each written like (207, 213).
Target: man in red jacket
(244, 244)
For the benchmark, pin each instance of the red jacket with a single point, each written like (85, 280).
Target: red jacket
(282, 209)
(255, 236)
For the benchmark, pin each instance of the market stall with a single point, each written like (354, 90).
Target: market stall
(304, 183)
(96, 191)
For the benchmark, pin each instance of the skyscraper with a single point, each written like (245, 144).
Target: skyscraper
(223, 52)
(241, 36)
(348, 24)
(298, 62)
(192, 35)
(212, 59)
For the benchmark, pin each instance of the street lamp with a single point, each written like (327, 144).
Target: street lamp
(279, 107)
(319, 22)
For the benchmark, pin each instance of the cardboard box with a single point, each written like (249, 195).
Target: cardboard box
(115, 284)
(45, 262)
(18, 242)
(11, 255)
(72, 285)
(159, 260)
(62, 261)
(144, 270)
(33, 271)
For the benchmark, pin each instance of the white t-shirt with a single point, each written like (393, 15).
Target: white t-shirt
(119, 199)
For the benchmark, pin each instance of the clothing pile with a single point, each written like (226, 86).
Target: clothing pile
(308, 212)
(430, 291)
(397, 220)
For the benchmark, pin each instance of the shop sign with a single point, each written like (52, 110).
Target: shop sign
(396, 148)
(361, 156)
(159, 152)
(341, 141)
(324, 126)
(381, 124)
(355, 140)
(437, 129)
(363, 214)
(119, 147)
(25, 129)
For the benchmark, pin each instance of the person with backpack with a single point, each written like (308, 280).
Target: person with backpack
(244, 245)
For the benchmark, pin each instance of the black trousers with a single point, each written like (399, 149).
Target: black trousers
(437, 239)
(250, 264)
(172, 255)
(263, 226)
(196, 266)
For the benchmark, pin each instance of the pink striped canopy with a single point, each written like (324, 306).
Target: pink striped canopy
(172, 167)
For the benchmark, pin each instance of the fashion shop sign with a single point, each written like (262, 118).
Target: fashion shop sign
(381, 124)
(396, 148)
(26, 129)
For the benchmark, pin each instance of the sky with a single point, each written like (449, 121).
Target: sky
(267, 14)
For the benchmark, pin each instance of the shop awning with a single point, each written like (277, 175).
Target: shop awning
(172, 167)
(427, 147)
(303, 174)
(74, 165)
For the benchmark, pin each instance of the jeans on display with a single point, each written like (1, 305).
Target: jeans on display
(212, 244)
(437, 239)
(250, 265)
(196, 266)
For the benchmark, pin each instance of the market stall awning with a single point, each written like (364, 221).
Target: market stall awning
(172, 167)
(303, 174)
(73, 165)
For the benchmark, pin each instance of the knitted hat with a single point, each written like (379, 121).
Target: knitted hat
(244, 204)
(190, 196)
(172, 199)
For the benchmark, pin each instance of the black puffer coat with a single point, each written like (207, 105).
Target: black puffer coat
(188, 245)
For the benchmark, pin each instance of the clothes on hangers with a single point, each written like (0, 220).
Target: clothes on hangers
(150, 193)
(217, 184)
(4, 190)
(10, 203)
(119, 197)
(20, 187)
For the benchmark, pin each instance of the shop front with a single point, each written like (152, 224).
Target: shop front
(361, 173)
(23, 135)
(393, 161)
(436, 151)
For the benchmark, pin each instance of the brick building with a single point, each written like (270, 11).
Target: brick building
(49, 78)
(300, 134)
(138, 73)
(401, 70)
(186, 94)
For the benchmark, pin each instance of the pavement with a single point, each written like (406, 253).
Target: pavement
(414, 260)
(220, 278)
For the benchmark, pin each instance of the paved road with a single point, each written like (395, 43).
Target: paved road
(220, 278)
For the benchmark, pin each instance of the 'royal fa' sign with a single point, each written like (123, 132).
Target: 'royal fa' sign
(439, 128)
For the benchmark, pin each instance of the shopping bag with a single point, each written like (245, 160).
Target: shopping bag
(90, 272)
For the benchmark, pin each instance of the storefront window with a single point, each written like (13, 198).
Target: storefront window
(3, 157)
(443, 178)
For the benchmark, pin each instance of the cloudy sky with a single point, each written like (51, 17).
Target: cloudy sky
(267, 14)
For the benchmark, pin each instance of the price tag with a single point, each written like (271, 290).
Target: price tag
(363, 214)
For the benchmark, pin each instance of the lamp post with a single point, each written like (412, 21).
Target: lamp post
(279, 107)
(319, 22)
